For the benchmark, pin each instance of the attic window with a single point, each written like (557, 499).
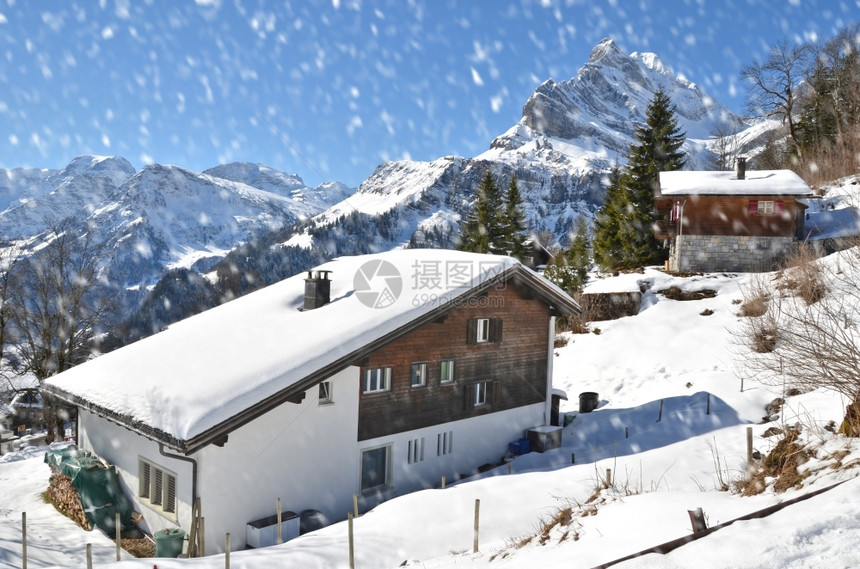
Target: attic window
(484, 331)
(377, 379)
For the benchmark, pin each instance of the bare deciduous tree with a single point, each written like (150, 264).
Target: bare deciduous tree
(726, 145)
(58, 301)
(773, 83)
(58, 305)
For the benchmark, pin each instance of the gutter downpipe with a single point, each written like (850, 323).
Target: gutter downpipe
(680, 231)
(193, 470)
(547, 412)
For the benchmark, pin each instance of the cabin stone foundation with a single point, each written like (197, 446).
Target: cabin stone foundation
(737, 253)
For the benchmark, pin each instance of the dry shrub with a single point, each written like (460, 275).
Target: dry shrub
(756, 297)
(803, 275)
(578, 324)
(764, 339)
(755, 306)
(850, 426)
(782, 462)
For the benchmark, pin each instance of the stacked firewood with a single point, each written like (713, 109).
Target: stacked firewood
(66, 499)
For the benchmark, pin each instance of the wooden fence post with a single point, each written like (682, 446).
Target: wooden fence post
(118, 537)
(697, 519)
(24, 539)
(351, 543)
(89, 556)
(443, 482)
(749, 448)
(355, 505)
(477, 524)
(280, 534)
(227, 551)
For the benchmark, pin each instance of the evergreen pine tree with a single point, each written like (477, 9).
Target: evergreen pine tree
(577, 255)
(624, 236)
(482, 231)
(611, 232)
(657, 149)
(514, 222)
(569, 269)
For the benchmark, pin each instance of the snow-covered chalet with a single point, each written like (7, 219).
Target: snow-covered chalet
(366, 378)
(746, 221)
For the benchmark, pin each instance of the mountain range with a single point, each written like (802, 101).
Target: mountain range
(249, 219)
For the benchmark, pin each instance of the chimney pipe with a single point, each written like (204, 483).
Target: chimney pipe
(317, 289)
(742, 168)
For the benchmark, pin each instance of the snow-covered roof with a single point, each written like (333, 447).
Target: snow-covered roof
(196, 381)
(754, 183)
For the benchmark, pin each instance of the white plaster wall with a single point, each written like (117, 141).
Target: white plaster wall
(307, 455)
(303, 454)
(121, 448)
(477, 441)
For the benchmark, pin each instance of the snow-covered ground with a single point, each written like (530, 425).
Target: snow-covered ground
(671, 357)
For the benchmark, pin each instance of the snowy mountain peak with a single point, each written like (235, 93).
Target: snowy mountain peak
(608, 97)
(606, 48)
(116, 169)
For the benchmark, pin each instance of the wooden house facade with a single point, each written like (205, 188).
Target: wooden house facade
(730, 221)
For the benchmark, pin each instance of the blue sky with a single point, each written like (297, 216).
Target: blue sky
(328, 89)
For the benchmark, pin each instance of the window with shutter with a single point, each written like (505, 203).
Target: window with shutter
(158, 488)
(484, 331)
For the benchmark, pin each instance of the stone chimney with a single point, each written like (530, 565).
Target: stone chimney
(317, 289)
(742, 168)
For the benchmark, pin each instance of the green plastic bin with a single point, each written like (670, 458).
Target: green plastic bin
(168, 542)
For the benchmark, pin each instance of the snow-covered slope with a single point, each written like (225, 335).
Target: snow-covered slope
(675, 361)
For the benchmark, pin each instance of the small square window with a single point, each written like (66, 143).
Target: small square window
(446, 374)
(377, 380)
(419, 375)
(765, 207)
